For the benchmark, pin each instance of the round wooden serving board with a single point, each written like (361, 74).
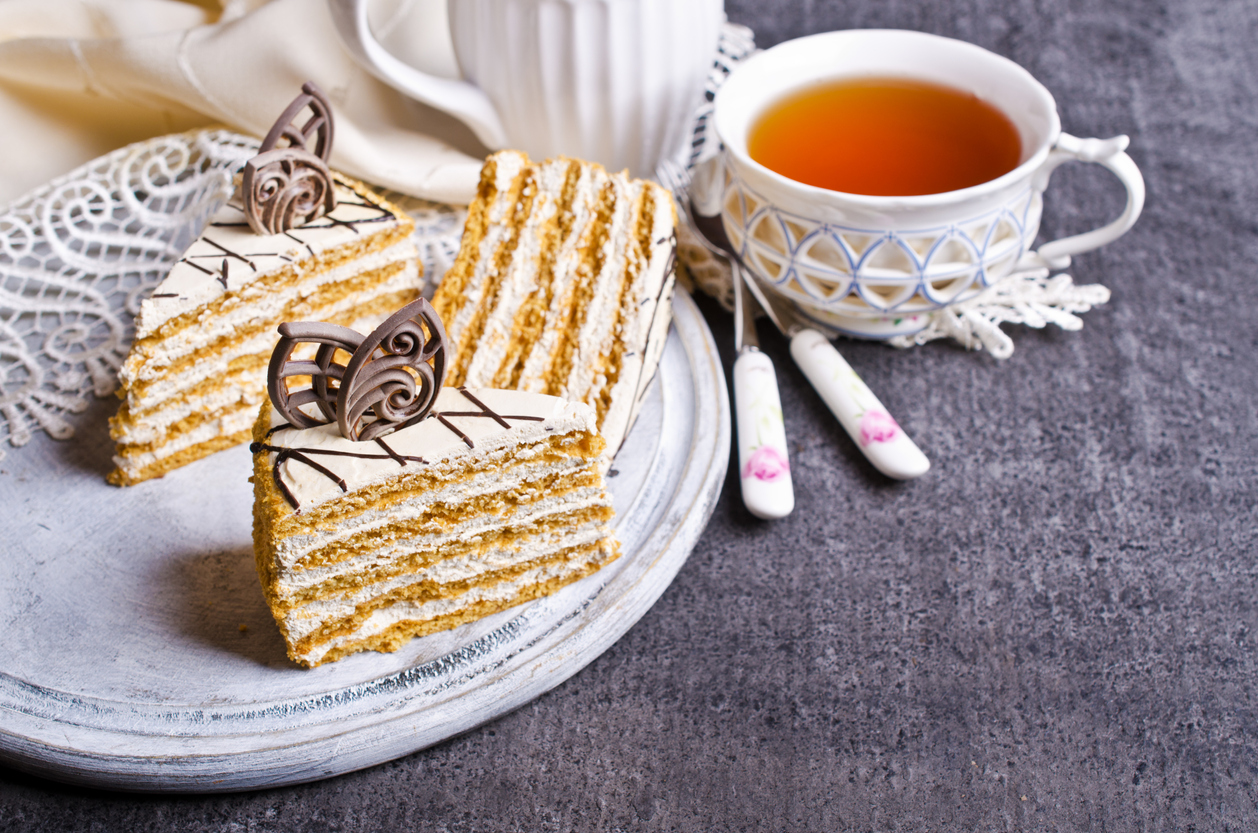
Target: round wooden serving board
(140, 654)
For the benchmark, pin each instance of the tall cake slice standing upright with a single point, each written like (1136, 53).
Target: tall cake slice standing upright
(562, 285)
(297, 242)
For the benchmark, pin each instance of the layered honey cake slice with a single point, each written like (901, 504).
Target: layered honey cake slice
(488, 499)
(196, 372)
(562, 285)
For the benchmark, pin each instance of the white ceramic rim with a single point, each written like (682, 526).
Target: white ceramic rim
(733, 132)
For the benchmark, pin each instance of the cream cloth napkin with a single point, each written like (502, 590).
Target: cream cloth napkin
(79, 78)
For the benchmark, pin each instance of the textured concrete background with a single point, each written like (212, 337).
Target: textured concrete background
(1054, 630)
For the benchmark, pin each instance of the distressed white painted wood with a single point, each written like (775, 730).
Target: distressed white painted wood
(139, 652)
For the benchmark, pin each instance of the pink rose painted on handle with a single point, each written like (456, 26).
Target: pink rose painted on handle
(767, 463)
(878, 427)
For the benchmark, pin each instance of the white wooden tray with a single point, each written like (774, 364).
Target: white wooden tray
(139, 652)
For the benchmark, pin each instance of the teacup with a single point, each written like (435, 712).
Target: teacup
(875, 266)
(612, 81)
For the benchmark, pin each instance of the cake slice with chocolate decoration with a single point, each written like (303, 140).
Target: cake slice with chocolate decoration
(562, 285)
(296, 242)
(387, 507)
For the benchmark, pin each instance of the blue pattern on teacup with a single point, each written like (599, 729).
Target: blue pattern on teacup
(874, 272)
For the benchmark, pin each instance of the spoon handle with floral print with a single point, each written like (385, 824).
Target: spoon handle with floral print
(763, 468)
(877, 435)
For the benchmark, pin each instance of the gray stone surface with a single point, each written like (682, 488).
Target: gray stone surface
(1054, 630)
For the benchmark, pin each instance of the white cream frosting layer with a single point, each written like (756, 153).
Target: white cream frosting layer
(226, 424)
(567, 277)
(521, 277)
(292, 582)
(228, 243)
(313, 615)
(599, 330)
(522, 480)
(508, 166)
(257, 304)
(503, 591)
(537, 417)
(165, 384)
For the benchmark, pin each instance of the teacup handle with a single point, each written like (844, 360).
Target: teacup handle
(463, 100)
(1107, 152)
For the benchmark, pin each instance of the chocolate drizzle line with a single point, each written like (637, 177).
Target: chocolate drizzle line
(347, 223)
(485, 412)
(671, 266)
(301, 454)
(463, 390)
(448, 424)
(219, 255)
(302, 242)
(332, 452)
(401, 460)
(229, 253)
(659, 299)
(383, 215)
(294, 454)
(529, 417)
(275, 428)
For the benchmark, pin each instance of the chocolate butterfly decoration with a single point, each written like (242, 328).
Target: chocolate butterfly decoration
(390, 381)
(286, 187)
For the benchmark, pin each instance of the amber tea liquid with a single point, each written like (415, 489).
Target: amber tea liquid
(888, 137)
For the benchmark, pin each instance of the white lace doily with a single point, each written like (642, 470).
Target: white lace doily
(1029, 297)
(78, 255)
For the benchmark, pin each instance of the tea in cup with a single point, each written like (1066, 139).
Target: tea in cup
(873, 176)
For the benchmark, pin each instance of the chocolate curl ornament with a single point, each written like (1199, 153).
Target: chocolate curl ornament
(326, 375)
(285, 187)
(390, 381)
